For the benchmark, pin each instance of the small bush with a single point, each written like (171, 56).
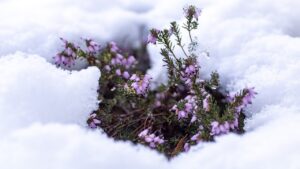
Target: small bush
(171, 117)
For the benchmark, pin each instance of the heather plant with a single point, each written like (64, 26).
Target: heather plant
(170, 118)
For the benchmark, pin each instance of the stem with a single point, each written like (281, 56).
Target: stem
(171, 51)
(190, 36)
(167, 45)
(189, 28)
(183, 50)
(176, 30)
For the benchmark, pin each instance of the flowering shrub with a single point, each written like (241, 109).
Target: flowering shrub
(172, 117)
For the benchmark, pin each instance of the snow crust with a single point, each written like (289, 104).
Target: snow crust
(43, 109)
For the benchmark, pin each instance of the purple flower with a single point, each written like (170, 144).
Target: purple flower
(194, 118)
(188, 73)
(92, 46)
(126, 75)
(215, 130)
(107, 68)
(67, 56)
(158, 140)
(63, 59)
(186, 147)
(118, 72)
(131, 60)
(195, 137)
(140, 85)
(152, 37)
(223, 128)
(250, 94)
(190, 69)
(152, 145)
(143, 133)
(182, 114)
(113, 47)
(94, 122)
(192, 12)
(206, 103)
(151, 139)
(188, 107)
(92, 125)
(122, 61)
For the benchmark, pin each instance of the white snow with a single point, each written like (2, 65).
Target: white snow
(33, 90)
(43, 109)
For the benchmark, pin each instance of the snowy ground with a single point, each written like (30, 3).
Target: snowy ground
(43, 109)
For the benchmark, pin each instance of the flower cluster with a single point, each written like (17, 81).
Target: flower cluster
(192, 12)
(140, 85)
(113, 47)
(189, 73)
(224, 128)
(186, 107)
(71, 52)
(151, 138)
(122, 61)
(67, 56)
(119, 63)
(92, 46)
(248, 96)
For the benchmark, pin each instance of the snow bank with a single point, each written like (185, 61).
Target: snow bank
(69, 146)
(253, 43)
(34, 26)
(33, 90)
(274, 145)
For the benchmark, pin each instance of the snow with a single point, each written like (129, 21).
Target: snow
(43, 109)
(33, 90)
(70, 146)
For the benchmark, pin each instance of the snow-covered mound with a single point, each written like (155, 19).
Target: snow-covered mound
(62, 146)
(43, 109)
(33, 90)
